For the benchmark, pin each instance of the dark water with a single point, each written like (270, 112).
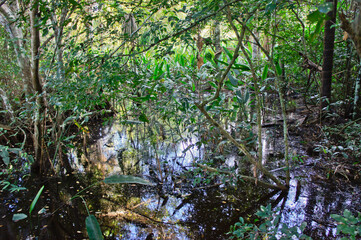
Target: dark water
(185, 203)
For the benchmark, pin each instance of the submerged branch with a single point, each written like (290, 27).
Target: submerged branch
(281, 99)
(241, 147)
(244, 177)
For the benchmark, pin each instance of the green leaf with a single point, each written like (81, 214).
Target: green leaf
(32, 205)
(315, 16)
(271, 7)
(93, 228)
(265, 72)
(228, 52)
(241, 67)
(223, 62)
(337, 217)
(74, 3)
(278, 68)
(246, 97)
(19, 216)
(347, 213)
(126, 179)
(143, 118)
(5, 155)
(212, 84)
(233, 80)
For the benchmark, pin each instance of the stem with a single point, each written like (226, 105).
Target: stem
(86, 207)
(244, 177)
(282, 102)
(241, 147)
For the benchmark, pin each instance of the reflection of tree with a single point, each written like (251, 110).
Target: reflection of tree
(320, 204)
(214, 211)
(60, 218)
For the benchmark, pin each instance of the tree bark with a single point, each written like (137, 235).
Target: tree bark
(36, 82)
(8, 13)
(329, 43)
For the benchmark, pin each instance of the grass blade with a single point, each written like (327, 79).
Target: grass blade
(35, 200)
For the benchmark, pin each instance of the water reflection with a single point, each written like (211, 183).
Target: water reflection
(176, 208)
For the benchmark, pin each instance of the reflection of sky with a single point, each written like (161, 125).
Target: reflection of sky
(318, 197)
(179, 155)
(294, 211)
(317, 201)
(169, 210)
(314, 205)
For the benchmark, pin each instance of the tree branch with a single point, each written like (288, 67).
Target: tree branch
(182, 31)
(244, 177)
(2, 2)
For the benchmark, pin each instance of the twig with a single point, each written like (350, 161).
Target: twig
(244, 177)
(182, 31)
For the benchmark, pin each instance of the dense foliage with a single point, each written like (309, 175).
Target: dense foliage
(220, 70)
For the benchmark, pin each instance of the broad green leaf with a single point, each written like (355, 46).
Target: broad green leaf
(126, 179)
(315, 16)
(143, 118)
(233, 80)
(32, 205)
(19, 216)
(5, 155)
(93, 228)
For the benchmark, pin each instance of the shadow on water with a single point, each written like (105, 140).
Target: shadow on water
(186, 203)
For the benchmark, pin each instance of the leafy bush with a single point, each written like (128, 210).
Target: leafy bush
(271, 228)
(348, 224)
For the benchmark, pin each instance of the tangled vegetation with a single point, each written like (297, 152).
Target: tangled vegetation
(223, 71)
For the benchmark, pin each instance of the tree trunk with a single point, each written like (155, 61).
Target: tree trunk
(7, 16)
(38, 131)
(357, 93)
(329, 42)
(217, 39)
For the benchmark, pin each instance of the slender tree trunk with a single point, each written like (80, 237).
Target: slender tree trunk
(217, 39)
(7, 16)
(329, 42)
(7, 105)
(38, 131)
(357, 90)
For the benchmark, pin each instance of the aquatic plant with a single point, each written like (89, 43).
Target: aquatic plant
(268, 226)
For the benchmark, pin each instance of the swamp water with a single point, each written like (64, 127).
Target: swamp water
(183, 204)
